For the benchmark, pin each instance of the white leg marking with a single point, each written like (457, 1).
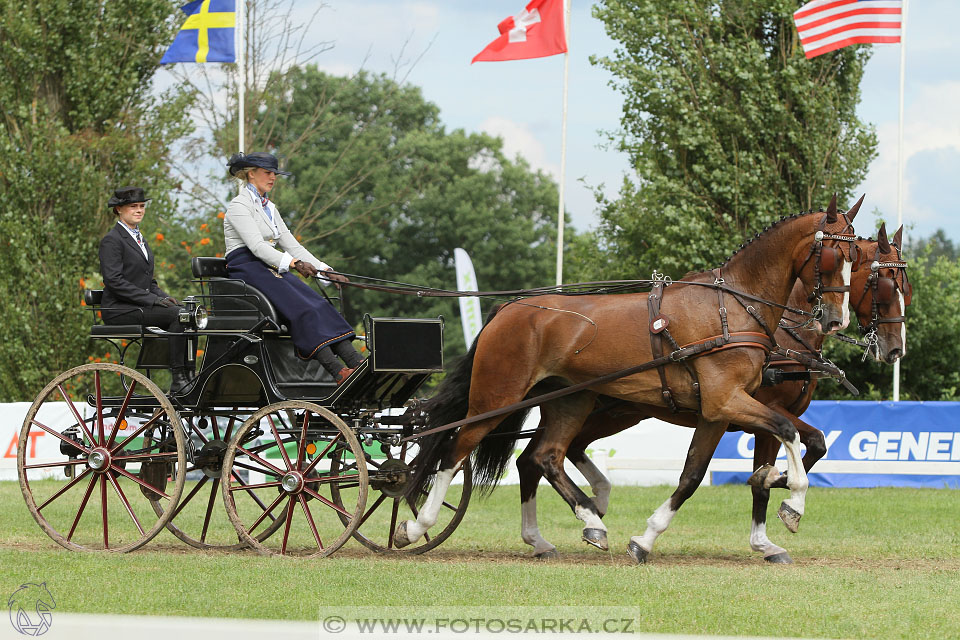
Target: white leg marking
(431, 507)
(598, 484)
(589, 519)
(796, 475)
(903, 326)
(760, 542)
(529, 530)
(847, 267)
(656, 524)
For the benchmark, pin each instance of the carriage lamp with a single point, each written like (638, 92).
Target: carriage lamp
(194, 315)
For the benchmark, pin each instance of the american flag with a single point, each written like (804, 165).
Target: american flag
(825, 25)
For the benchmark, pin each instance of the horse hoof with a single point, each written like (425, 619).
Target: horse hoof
(549, 554)
(596, 537)
(638, 553)
(400, 539)
(789, 516)
(779, 558)
(764, 477)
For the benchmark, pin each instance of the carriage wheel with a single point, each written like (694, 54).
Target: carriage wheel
(388, 473)
(288, 466)
(199, 520)
(92, 454)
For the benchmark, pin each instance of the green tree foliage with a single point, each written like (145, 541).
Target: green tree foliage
(78, 120)
(728, 126)
(929, 369)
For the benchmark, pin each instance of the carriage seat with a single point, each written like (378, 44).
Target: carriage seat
(93, 298)
(234, 304)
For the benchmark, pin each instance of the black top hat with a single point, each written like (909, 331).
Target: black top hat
(260, 159)
(127, 195)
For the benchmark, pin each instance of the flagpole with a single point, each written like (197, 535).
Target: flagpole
(242, 73)
(900, 154)
(563, 142)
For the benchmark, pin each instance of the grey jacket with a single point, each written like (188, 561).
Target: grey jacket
(246, 224)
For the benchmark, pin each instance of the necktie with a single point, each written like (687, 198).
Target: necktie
(136, 233)
(263, 201)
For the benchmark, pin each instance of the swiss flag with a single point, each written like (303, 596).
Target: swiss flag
(536, 32)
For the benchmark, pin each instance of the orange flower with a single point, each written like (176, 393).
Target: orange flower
(204, 241)
(83, 283)
(203, 226)
(169, 266)
(183, 243)
(299, 237)
(220, 215)
(83, 303)
(219, 254)
(199, 353)
(159, 237)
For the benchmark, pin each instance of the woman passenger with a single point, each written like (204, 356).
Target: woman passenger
(262, 252)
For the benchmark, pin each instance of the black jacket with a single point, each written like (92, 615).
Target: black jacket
(128, 280)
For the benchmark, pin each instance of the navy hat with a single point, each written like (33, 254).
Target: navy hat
(260, 159)
(127, 195)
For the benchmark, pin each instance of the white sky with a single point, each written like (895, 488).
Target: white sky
(520, 100)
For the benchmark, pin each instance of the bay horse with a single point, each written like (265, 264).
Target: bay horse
(790, 398)
(533, 345)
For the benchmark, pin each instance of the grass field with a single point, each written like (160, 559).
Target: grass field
(879, 563)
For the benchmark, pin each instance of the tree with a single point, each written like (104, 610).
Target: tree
(78, 120)
(728, 126)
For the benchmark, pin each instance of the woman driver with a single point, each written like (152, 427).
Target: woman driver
(261, 251)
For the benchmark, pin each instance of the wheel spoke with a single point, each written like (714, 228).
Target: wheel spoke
(302, 448)
(326, 502)
(250, 467)
(76, 414)
(146, 425)
(189, 497)
(280, 444)
(253, 495)
(393, 523)
(103, 511)
(319, 456)
(123, 499)
(313, 526)
(64, 489)
(140, 456)
(74, 443)
(121, 414)
(83, 505)
(45, 465)
(215, 427)
(206, 517)
(286, 527)
(262, 485)
(127, 474)
(327, 479)
(373, 508)
(226, 435)
(261, 460)
(266, 512)
(100, 430)
(196, 430)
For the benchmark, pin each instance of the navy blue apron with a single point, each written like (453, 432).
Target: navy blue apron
(314, 322)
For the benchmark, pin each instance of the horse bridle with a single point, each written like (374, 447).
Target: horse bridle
(828, 259)
(882, 289)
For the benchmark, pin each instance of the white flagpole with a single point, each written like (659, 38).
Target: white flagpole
(900, 154)
(563, 142)
(241, 71)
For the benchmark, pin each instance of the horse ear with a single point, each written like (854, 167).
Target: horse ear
(832, 210)
(852, 212)
(882, 239)
(898, 238)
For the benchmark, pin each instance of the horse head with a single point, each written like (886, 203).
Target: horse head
(881, 294)
(824, 263)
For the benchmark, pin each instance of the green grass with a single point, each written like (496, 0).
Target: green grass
(879, 563)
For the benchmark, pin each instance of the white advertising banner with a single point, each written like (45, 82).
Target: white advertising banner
(470, 318)
(42, 447)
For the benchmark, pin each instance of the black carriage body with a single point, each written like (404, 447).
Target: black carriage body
(249, 359)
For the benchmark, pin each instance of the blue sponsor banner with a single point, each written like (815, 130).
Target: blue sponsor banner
(872, 444)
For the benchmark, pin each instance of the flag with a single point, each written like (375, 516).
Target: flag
(470, 318)
(825, 25)
(207, 35)
(536, 32)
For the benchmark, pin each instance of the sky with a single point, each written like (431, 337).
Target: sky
(521, 100)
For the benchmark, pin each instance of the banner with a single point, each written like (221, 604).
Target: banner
(872, 444)
(470, 318)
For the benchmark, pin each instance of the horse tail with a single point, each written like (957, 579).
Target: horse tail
(494, 452)
(450, 404)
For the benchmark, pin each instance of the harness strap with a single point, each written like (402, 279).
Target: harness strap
(658, 326)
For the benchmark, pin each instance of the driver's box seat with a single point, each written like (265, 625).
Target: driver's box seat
(234, 304)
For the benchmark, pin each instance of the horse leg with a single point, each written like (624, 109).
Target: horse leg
(599, 484)
(705, 439)
(764, 455)
(562, 419)
(815, 442)
(529, 480)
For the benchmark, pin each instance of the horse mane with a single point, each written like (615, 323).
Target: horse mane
(767, 229)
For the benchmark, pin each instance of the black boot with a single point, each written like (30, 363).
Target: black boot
(346, 352)
(178, 380)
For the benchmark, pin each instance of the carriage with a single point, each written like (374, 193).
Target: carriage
(300, 464)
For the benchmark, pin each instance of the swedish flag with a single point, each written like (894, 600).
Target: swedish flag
(207, 35)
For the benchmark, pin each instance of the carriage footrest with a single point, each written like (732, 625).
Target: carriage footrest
(117, 331)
